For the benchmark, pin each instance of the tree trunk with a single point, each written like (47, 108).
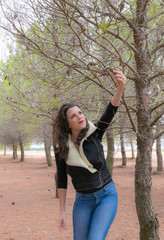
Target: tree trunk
(21, 148)
(4, 150)
(123, 149)
(147, 218)
(158, 152)
(48, 153)
(132, 148)
(122, 119)
(110, 149)
(14, 150)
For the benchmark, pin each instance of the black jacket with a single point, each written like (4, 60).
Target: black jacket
(87, 167)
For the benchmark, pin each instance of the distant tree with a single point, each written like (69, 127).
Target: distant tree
(158, 149)
(110, 148)
(122, 140)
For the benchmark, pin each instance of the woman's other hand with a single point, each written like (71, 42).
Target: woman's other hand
(120, 83)
(62, 222)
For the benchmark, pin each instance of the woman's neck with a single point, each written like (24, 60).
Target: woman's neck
(74, 135)
(74, 138)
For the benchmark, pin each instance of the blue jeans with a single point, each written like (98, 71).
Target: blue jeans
(94, 213)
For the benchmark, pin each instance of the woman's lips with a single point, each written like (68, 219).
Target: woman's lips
(81, 121)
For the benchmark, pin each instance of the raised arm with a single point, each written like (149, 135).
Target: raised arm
(111, 109)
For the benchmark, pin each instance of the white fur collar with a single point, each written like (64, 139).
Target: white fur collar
(78, 158)
(91, 129)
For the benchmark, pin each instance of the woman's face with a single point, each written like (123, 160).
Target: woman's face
(76, 119)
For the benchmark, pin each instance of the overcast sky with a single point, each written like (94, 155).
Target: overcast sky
(3, 47)
(4, 39)
(3, 44)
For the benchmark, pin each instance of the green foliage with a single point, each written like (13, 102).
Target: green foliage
(103, 25)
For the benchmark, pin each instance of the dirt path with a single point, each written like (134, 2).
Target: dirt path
(29, 209)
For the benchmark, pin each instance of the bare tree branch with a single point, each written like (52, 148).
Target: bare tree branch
(154, 16)
(129, 22)
(156, 136)
(155, 76)
(158, 105)
(158, 47)
(158, 116)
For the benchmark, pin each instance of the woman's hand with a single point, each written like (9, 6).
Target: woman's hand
(62, 217)
(120, 83)
(120, 79)
(62, 222)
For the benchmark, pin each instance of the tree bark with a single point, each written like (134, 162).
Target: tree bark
(123, 153)
(159, 153)
(14, 150)
(21, 148)
(132, 148)
(48, 153)
(110, 149)
(147, 218)
(4, 150)
(122, 140)
(146, 215)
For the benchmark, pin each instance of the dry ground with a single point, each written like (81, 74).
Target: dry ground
(29, 209)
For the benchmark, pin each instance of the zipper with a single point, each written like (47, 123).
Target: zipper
(97, 149)
(99, 159)
(100, 178)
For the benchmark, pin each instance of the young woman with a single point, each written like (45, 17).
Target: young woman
(79, 153)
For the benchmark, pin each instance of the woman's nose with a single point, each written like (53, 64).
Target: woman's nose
(79, 116)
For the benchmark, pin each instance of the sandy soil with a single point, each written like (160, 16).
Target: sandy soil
(29, 209)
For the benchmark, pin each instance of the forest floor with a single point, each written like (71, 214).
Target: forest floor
(29, 209)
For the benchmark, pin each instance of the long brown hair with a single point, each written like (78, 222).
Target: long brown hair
(61, 131)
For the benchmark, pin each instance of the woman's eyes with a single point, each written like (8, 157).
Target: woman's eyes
(74, 115)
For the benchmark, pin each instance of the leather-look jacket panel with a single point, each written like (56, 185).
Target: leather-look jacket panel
(83, 180)
(93, 150)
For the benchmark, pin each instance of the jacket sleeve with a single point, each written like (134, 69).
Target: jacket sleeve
(61, 172)
(105, 120)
